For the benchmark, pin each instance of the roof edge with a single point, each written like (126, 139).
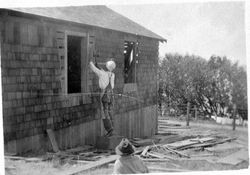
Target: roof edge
(161, 39)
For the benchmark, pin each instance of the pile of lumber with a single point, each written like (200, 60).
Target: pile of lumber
(199, 142)
(172, 151)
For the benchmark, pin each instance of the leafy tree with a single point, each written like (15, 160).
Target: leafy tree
(213, 85)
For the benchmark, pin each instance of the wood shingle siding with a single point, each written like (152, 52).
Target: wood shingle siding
(33, 84)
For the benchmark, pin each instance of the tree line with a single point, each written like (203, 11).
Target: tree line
(213, 85)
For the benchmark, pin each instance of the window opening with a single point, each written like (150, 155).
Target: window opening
(129, 62)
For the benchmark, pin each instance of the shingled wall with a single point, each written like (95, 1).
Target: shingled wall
(33, 93)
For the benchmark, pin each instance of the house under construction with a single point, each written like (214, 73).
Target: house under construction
(47, 82)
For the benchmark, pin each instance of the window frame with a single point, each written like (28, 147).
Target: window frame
(84, 59)
(134, 62)
(130, 87)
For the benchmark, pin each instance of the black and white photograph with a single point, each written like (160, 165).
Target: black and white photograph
(124, 87)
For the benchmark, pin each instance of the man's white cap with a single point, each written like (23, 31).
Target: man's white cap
(110, 65)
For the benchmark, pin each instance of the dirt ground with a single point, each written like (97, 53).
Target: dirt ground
(199, 163)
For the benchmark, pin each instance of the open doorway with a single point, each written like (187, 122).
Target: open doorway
(74, 64)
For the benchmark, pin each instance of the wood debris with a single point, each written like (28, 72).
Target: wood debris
(144, 152)
(177, 152)
(182, 143)
(52, 139)
(173, 151)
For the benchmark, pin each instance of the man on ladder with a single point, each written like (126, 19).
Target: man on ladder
(106, 83)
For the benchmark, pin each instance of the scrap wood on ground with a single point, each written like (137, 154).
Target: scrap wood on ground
(194, 144)
(173, 150)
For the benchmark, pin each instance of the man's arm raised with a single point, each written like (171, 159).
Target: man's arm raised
(94, 68)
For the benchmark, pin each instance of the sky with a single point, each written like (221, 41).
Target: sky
(190, 27)
(204, 29)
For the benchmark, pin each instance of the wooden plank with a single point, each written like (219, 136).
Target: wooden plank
(52, 140)
(144, 152)
(210, 144)
(177, 152)
(182, 143)
(90, 165)
(205, 139)
(158, 155)
(137, 152)
(234, 158)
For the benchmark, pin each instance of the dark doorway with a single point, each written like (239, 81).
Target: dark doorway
(74, 64)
